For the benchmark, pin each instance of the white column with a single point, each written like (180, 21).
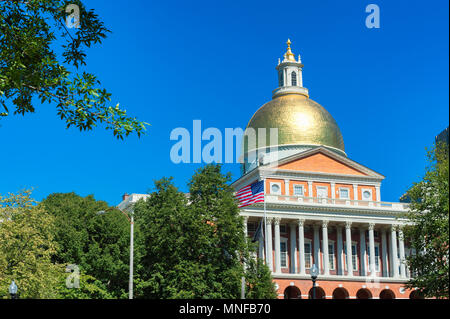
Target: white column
(293, 253)
(378, 194)
(310, 190)
(316, 247)
(269, 250)
(348, 242)
(339, 249)
(401, 247)
(355, 193)
(362, 252)
(333, 192)
(286, 187)
(394, 258)
(277, 246)
(326, 266)
(245, 227)
(384, 254)
(301, 245)
(372, 249)
(300, 77)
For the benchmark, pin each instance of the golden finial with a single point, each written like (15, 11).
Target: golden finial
(289, 56)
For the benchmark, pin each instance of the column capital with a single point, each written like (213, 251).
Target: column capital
(245, 219)
(269, 221)
(348, 225)
(277, 220)
(310, 182)
(301, 221)
(371, 226)
(393, 227)
(325, 223)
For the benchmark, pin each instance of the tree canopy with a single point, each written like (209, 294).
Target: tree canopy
(428, 234)
(97, 243)
(41, 59)
(194, 246)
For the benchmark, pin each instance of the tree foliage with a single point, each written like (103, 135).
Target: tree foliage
(429, 233)
(97, 243)
(191, 246)
(26, 248)
(40, 57)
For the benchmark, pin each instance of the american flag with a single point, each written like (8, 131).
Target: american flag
(251, 194)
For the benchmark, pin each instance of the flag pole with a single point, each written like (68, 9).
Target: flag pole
(265, 224)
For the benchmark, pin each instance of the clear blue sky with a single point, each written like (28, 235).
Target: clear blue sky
(170, 62)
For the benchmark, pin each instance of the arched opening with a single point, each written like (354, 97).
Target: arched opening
(292, 292)
(363, 294)
(340, 293)
(415, 295)
(294, 79)
(387, 294)
(320, 293)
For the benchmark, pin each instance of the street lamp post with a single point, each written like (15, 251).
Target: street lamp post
(314, 273)
(131, 220)
(13, 290)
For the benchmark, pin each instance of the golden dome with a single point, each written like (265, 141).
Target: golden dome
(300, 121)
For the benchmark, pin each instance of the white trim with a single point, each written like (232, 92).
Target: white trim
(366, 190)
(347, 189)
(311, 252)
(270, 188)
(355, 256)
(285, 241)
(298, 186)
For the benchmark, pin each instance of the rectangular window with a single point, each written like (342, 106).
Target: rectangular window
(298, 190)
(331, 256)
(308, 256)
(283, 228)
(354, 257)
(344, 193)
(283, 254)
(377, 256)
(251, 226)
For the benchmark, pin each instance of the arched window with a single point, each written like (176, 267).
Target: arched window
(294, 79)
(280, 79)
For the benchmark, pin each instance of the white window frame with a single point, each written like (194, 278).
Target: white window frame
(347, 189)
(284, 240)
(354, 256)
(321, 187)
(275, 183)
(302, 193)
(366, 190)
(333, 264)
(308, 242)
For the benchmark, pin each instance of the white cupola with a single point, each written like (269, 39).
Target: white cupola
(290, 78)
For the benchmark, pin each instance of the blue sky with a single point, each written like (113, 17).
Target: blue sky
(169, 63)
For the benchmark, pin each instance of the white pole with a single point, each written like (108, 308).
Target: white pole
(265, 224)
(130, 288)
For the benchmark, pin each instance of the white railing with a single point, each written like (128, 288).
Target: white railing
(333, 201)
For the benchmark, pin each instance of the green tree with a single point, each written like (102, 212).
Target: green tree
(191, 246)
(89, 288)
(40, 57)
(26, 248)
(260, 284)
(97, 243)
(428, 233)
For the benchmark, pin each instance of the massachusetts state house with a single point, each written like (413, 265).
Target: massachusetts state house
(321, 207)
